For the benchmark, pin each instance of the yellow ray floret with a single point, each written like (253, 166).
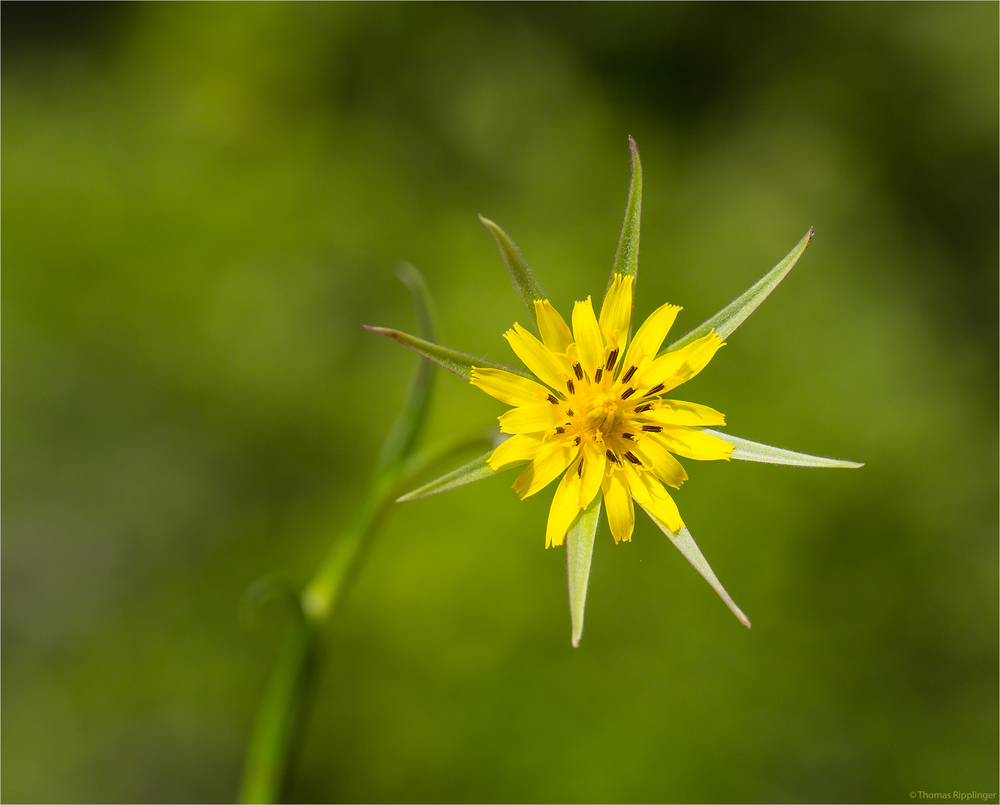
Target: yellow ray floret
(599, 416)
(556, 335)
(616, 311)
(508, 388)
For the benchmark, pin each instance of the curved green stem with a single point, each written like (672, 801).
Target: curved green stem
(281, 716)
(287, 701)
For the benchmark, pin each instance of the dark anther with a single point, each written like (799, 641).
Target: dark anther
(611, 359)
(629, 436)
(576, 441)
(597, 377)
(652, 428)
(632, 458)
(653, 390)
(612, 457)
(571, 387)
(642, 408)
(628, 393)
(628, 374)
(569, 412)
(553, 400)
(578, 370)
(579, 470)
(560, 429)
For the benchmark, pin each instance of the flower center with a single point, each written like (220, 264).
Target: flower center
(598, 411)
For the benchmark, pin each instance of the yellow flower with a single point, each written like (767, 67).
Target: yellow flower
(600, 412)
(597, 410)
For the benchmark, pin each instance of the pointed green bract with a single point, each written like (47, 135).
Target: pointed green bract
(686, 545)
(736, 312)
(405, 429)
(454, 361)
(745, 450)
(524, 281)
(627, 256)
(475, 470)
(579, 550)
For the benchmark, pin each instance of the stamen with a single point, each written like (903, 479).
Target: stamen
(560, 429)
(576, 441)
(611, 359)
(642, 408)
(569, 412)
(628, 393)
(612, 457)
(597, 376)
(629, 436)
(629, 455)
(571, 387)
(552, 399)
(578, 370)
(628, 374)
(579, 470)
(652, 428)
(653, 390)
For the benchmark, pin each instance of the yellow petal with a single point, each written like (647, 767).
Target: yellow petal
(695, 444)
(552, 459)
(532, 418)
(514, 450)
(556, 334)
(564, 508)
(678, 412)
(678, 367)
(508, 388)
(650, 336)
(657, 458)
(544, 364)
(649, 494)
(589, 341)
(616, 311)
(618, 502)
(592, 471)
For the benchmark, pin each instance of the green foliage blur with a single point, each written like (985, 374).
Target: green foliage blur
(203, 203)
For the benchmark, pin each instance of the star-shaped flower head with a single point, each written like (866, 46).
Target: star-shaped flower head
(596, 407)
(603, 414)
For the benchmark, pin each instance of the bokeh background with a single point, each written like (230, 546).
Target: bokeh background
(203, 203)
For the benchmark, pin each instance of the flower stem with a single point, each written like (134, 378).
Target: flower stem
(281, 716)
(288, 698)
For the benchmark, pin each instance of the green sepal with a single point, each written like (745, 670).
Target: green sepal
(736, 312)
(405, 430)
(579, 550)
(475, 470)
(454, 361)
(745, 450)
(524, 281)
(686, 545)
(627, 256)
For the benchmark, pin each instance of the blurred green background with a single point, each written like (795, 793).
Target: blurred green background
(202, 204)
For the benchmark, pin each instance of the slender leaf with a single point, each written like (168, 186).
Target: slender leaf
(745, 450)
(475, 470)
(524, 281)
(736, 312)
(627, 255)
(406, 428)
(579, 550)
(686, 545)
(454, 361)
